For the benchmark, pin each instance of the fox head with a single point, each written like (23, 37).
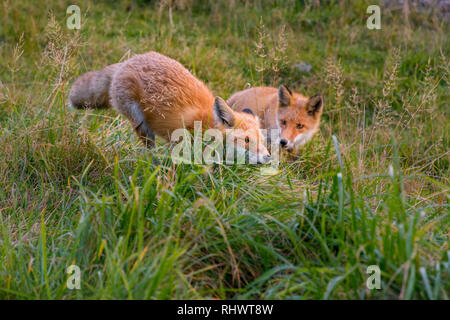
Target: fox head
(298, 118)
(243, 129)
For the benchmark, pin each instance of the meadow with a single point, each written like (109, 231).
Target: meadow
(372, 188)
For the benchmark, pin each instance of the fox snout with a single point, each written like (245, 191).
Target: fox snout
(265, 159)
(259, 156)
(286, 144)
(263, 155)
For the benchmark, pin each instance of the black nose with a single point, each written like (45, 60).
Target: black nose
(283, 142)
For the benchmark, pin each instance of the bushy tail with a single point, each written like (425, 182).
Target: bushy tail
(91, 90)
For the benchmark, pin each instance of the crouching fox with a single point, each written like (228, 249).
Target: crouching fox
(158, 95)
(297, 116)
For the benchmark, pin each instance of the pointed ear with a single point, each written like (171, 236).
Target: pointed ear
(314, 105)
(223, 114)
(284, 96)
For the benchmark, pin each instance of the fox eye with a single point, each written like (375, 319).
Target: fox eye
(283, 122)
(300, 126)
(247, 139)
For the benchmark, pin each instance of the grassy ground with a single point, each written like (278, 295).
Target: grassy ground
(76, 187)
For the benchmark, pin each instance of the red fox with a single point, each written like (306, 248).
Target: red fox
(158, 95)
(297, 116)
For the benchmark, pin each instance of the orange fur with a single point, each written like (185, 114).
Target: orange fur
(158, 95)
(296, 115)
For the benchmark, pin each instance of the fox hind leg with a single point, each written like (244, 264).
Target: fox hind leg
(133, 112)
(125, 93)
(140, 125)
(146, 134)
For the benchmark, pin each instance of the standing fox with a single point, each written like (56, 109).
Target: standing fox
(297, 116)
(158, 95)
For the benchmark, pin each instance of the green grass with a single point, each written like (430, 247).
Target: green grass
(77, 187)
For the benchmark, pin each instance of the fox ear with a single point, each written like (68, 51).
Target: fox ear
(314, 105)
(284, 96)
(223, 114)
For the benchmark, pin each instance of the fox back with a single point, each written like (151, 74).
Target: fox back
(158, 95)
(167, 93)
